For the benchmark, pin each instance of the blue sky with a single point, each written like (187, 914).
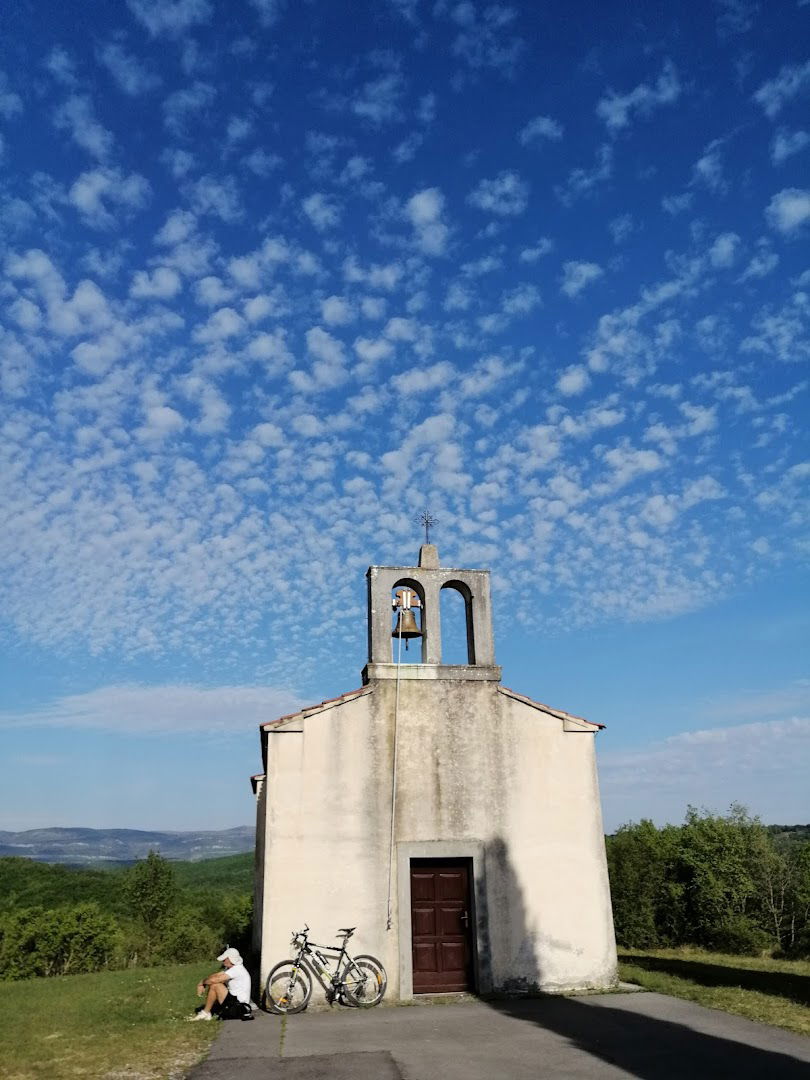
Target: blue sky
(276, 276)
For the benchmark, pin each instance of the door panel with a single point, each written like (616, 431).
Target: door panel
(450, 920)
(424, 957)
(422, 886)
(441, 925)
(423, 921)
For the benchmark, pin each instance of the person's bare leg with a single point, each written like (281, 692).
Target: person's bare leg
(216, 992)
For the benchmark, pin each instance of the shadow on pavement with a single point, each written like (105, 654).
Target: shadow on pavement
(631, 1037)
(794, 987)
(647, 1047)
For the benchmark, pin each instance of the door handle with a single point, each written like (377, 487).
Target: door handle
(465, 918)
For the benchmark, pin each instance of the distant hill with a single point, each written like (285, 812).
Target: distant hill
(111, 847)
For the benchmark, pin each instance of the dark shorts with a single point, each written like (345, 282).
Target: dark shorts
(231, 1008)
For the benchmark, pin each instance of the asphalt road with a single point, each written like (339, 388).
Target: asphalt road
(609, 1036)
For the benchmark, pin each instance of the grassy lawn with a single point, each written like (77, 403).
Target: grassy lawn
(770, 991)
(120, 1025)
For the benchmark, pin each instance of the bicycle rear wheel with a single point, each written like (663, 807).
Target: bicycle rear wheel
(288, 988)
(364, 982)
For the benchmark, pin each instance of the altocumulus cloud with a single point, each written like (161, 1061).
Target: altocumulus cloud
(160, 710)
(763, 764)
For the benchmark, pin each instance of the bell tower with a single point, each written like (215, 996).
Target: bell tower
(403, 590)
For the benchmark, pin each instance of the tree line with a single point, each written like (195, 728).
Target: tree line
(721, 882)
(726, 883)
(138, 917)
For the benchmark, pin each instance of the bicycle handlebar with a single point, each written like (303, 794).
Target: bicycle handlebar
(347, 932)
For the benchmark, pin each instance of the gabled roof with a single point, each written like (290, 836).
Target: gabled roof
(310, 710)
(570, 722)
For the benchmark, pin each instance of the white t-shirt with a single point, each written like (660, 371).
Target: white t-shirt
(239, 982)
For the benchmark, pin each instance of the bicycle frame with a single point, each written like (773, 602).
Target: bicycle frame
(315, 958)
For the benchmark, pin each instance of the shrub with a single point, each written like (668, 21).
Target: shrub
(740, 935)
(184, 938)
(62, 941)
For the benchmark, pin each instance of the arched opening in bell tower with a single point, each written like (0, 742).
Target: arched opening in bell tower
(458, 640)
(408, 644)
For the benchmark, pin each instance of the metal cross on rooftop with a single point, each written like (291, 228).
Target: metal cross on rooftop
(427, 521)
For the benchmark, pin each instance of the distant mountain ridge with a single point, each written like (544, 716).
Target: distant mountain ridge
(87, 847)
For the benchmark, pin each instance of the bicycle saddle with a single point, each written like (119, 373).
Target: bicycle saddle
(348, 931)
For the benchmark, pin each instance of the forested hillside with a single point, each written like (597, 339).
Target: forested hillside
(727, 883)
(60, 920)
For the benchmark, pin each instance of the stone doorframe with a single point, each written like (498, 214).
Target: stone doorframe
(443, 849)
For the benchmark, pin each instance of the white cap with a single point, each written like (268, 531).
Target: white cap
(233, 955)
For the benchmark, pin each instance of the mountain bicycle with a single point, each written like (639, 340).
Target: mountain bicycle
(360, 981)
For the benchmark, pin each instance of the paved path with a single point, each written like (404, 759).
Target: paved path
(602, 1036)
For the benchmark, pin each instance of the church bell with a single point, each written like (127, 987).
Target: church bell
(406, 627)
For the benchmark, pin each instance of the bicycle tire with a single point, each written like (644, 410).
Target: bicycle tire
(290, 996)
(368, 991)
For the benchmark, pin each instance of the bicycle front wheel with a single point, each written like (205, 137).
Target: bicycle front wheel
(288, 988)
(364, 982)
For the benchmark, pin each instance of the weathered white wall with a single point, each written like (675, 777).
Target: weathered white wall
(474, 766)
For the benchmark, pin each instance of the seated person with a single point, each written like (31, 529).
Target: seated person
(227, 992)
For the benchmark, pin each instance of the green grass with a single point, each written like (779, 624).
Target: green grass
(116, 1025)
(769, 991)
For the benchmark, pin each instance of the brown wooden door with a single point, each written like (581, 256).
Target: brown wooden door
(441, 921)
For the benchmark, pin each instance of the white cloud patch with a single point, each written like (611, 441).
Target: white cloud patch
(735, 16)
(583, 181)
(617, 110)
(423, 380)
(787, 143)
(764, 763)
(628, 463)
(539, 129)
(483, 38)
(61, 66)
(162, 284)
(336, 311)
(789, 210)
(574, 380)
(170, 17)
(221, 325)
(322, 210)
(160, 710)
(424, 211)
(97, 194)
(379, 101)
(182, 106)
(218, 196)
(76, 116)
(506, 195)
(160, 422)
(269, 11)
(724, 250)
(329, 363)
(708, 169)
(11, 105)
(531, 254)
(578, 275)
(131, 74)
(792, 80)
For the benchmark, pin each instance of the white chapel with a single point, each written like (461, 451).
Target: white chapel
(454, 822)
